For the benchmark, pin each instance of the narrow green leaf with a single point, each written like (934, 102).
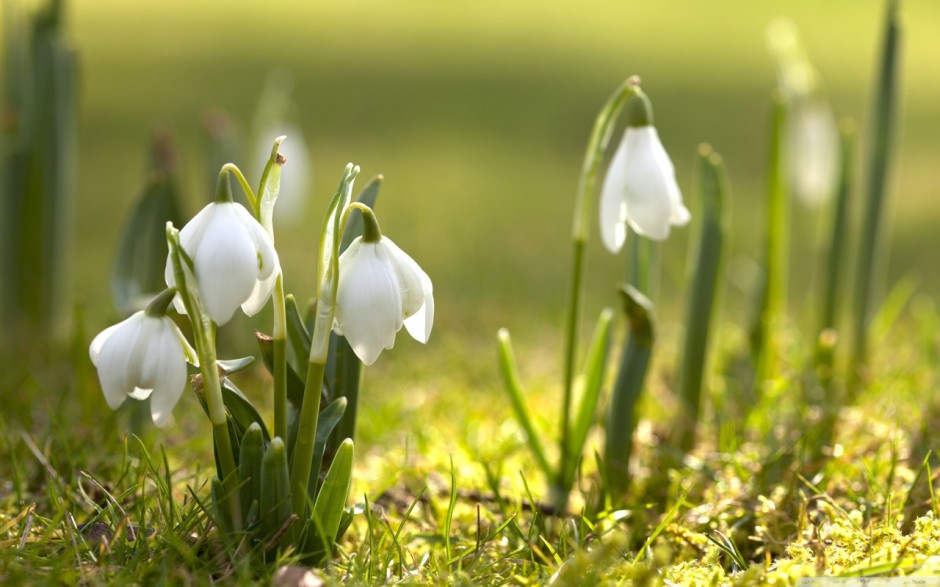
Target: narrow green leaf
(326, 423)
(249, 467)
(594, 370)
(295, 383)
(275, 490)
(137, 274)
(838, 233)
(240, 409)
(510, 373)
(331, 503)
(223, 516)
(881, 142)
(231, 366)
(342, 378)
(298, 338)
(621, 415)
(706, 261)
(774, 285)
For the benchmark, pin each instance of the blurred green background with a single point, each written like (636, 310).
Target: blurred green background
(478, 113)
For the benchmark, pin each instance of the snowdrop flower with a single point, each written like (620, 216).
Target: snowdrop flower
(234, 259)
(143, 356)
(640, 188)
(812, 133)
(380, 288)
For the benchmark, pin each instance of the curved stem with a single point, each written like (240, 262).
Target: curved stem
(597, 144)
(240, 177)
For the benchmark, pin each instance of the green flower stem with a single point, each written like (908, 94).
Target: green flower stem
(597, 144)
(643, 272)
(370, 224)
(306, 435)
(159, 304)
(204, 337)
(280, 359)
(240, 177)
(328, 278)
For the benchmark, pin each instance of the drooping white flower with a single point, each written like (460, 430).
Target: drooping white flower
(143, 356)
(234, 260)
(640, 190)
(381, 288)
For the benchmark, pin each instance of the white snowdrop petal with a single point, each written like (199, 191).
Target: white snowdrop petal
(94, 350)
(419, 325)
(648, 184)
(171, 376)
(112, 359)
(225, 265)
(259, 295)
(368, 302)
(613, 209)
(268, 262)
(409, 276)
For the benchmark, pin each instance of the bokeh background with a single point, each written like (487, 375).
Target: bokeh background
(477, 113)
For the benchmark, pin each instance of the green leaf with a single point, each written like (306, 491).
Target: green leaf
(223, 516)
(243, 414)
(327, 420)
(231, 366)
(342, 378)
(137, 274)
(621, 414)
(706, 260)
(298, 338)
(275, 491)
(593, 377)
(330, 504)
(249, 467)
(295, 383)
(507, 366)
(880, 148)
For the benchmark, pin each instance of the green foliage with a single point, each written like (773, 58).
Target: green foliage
(37, 169)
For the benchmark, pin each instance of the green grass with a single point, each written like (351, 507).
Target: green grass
(456, 499)
(477, 116)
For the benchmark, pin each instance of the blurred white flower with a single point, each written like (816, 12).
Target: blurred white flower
(143, 356)
(813, 150)
(234, 261)
(380, 288)
(640, 189)
(812, 134)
